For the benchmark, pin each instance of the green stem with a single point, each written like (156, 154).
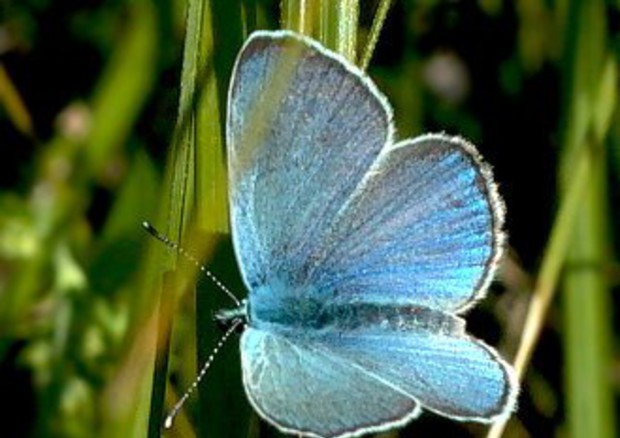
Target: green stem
(297, 15)
(196, 175)
(548, 278)
(375, 31)
(338, 26)
(578, 235)
(586, 292)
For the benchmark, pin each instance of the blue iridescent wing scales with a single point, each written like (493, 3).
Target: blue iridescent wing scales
(357, 251)
(421, 225)
(303, 128)
(423, 228)
(448, 373)
(365, 373)
(303, 388)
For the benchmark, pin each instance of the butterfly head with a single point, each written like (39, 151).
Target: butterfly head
(226, 318)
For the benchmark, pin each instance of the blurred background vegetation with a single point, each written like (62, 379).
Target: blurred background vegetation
(111, 113)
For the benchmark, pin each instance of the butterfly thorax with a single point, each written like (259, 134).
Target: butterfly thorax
(307, 309)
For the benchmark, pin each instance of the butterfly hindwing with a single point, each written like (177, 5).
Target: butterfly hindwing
(449, 373)
(373, 369)
(304, 389)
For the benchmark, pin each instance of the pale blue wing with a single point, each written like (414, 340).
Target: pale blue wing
(424, 228)
(303, 128)
(303, 388)
(451, 374)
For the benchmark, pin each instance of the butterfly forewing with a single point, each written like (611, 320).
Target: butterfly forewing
(302, 132)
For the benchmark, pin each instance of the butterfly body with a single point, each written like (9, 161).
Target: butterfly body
(359, 253)
(303, 315)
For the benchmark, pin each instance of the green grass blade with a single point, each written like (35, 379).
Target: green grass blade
(222, 411)
(123, 89)
(549, 275)
(375, 31)
(199, 191)
(177, 205)
(298, 15)
(578, 240)
(338, 26)
(591, 90)
(13, 104)
(195, 210)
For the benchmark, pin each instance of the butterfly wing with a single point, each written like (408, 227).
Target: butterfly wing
(423, 228)
(372, 376)
(327, 212)
(301, 387)
(451, 374)
(303, 128)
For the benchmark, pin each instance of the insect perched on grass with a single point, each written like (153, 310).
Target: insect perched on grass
(359, 252)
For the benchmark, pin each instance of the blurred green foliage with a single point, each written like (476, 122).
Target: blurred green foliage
(112, 112)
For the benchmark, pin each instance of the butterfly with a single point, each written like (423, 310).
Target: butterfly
(359, 252)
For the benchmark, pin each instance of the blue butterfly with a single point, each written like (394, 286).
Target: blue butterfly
(359, 252)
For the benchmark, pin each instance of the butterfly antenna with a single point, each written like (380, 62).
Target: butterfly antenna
(177, 407)
(176, 247)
